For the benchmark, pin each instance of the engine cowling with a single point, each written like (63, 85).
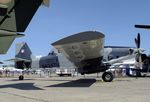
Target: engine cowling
(143, 57)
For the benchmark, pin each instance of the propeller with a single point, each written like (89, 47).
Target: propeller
(142, 26)
(137, 41)
(138, 56)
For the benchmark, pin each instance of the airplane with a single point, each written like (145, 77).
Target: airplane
(15, 16)
(86, 50)
(81, 47)
(24, 59)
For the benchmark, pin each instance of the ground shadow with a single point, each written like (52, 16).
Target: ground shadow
(54, 80)
(20, 80)
(76, 83)
(21, 86)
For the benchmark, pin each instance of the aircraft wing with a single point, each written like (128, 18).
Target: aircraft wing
(16, 14)
(6, 39)
(122, 60)
(82, 47)
(18, 59)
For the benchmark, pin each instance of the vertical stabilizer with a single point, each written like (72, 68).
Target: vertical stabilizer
(23, 51)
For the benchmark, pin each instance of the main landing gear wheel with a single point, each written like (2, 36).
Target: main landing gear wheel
(107, 76)
(21, 77)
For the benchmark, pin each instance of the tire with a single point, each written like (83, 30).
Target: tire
(21, 77)
(107, 76)
(82, 73)
(138, 74)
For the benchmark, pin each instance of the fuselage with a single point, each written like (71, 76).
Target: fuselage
(59, 60)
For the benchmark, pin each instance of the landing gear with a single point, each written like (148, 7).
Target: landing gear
(21, 77)
(138, 74)
(107, 76)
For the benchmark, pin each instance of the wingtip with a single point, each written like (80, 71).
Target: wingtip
(46, 3)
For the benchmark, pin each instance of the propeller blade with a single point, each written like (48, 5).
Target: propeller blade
(136, 43)
(138, 40)
(142, 26)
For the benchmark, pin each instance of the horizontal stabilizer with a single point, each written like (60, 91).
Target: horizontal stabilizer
(18, 59)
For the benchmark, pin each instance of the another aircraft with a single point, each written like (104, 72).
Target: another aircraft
(25, 59)
(15, 15)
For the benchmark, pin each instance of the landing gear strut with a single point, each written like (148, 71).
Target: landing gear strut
(21, 77)
(107, 76)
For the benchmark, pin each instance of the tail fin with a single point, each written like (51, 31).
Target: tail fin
(23, 53)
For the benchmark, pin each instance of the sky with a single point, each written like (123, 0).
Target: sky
(114, 18)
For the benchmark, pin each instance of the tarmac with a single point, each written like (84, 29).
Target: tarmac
(74, 89)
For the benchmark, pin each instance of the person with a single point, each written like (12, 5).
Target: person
(1, 73)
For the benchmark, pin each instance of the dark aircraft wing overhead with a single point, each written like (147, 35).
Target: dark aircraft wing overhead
(15, 16)
(20, 13)
(142, 26)
(24, 12)
(82, 46)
